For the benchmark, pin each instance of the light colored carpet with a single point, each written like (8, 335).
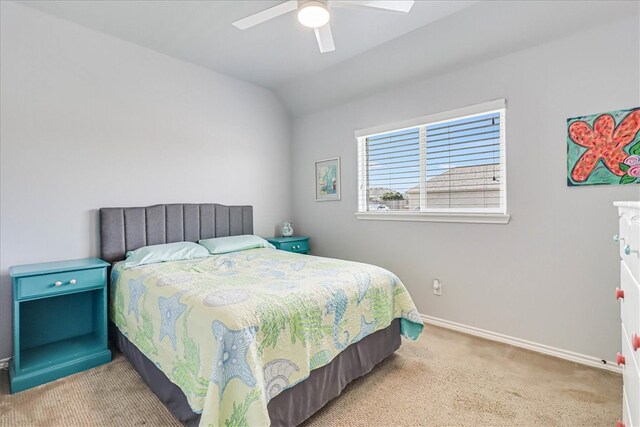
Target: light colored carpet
(445, 378)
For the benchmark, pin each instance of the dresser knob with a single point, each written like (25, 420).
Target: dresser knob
(635, 341)
(620, 359)
(628, 250)
(73, 281)
(619, 293)
(58, 283)
(620, 424)
(617, 238)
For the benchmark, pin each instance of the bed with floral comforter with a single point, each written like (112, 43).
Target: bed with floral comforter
(234, 330)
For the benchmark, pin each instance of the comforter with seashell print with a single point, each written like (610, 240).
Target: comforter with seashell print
(234, 330)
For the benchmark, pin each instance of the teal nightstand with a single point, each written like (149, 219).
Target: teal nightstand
(59, 320)
(299, 244)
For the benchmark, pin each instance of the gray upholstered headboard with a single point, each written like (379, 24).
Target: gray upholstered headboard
(127, 229)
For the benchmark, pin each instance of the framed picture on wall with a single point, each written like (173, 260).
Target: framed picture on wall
(604, 148)
(328, 179)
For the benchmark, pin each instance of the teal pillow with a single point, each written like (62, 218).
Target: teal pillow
(224, 245)
(167, 252)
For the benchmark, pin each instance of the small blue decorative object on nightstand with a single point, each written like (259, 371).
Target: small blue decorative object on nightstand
(59, 320)
(299, 244)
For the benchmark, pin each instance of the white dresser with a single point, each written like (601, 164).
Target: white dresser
(629, 295)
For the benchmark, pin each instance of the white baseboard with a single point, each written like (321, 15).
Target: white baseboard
(494, 336)
(517, 342)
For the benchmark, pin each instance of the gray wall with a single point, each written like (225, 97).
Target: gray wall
(90, 121)
(549, 275)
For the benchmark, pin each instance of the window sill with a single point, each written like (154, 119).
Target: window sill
(476, 218)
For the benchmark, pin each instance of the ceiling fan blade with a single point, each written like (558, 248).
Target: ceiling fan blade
(265, 15)
(390, 5)
(325, 38)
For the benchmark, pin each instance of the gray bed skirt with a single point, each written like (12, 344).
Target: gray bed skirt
(292, 406)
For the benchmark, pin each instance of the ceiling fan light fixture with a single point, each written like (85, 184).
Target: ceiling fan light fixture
(313, 14)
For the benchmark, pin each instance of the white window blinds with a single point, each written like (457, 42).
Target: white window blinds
(393, 167)
(454, 164)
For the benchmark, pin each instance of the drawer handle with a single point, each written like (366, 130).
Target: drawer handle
(635, 341)
(73, 281)
(628, 250)
(619, 293)
(620, 359)
(58, 283)
(618, 239)
(620, 424)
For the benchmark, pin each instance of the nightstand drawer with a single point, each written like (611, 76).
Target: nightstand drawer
(69, 281)
(299, 246)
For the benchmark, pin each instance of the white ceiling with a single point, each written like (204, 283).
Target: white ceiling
(269, 54)
(484, 31)
(374, 50)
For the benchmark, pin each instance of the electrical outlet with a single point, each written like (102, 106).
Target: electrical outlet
(437, 287)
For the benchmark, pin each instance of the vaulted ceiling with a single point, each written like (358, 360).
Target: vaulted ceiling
(269, 54)
(373, 49)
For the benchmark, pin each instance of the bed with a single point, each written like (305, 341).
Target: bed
(255, 337)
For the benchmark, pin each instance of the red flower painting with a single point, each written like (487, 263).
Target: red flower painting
(604, 141)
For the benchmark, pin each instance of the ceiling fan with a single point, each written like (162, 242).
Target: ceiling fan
(316, 13)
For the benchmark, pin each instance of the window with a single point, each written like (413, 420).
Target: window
(444, 167)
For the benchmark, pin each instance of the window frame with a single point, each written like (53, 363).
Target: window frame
(467, 215)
